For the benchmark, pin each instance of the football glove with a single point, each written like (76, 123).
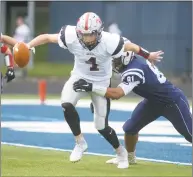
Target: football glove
(82, 86)
(32, 49)
(10, 74)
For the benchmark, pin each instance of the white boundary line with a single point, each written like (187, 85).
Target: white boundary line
(121, 106)
(115, 105)
(90, 153)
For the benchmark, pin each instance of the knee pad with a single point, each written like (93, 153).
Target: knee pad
(128, 129)
(72, 118)
(69, 110)
(105, 131)
(110, 135)
(67, 106)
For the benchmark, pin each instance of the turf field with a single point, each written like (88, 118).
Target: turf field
(30, 129)
(20, 161)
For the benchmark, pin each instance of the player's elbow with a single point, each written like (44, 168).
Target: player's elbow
(131, 47)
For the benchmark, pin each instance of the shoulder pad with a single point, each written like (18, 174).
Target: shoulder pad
(70, 34)
(126, 40)
(67, 35)
(114, 44)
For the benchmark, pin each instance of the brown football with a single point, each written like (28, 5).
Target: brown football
(21, 54)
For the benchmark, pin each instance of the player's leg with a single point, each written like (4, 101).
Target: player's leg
(130, 144)
(144, 113)
(101, 111)
(180, 116)
(69, 100)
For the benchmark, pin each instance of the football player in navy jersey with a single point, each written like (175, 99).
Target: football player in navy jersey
(161, 98)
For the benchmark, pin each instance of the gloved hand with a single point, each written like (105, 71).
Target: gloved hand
(32, 49)
(10, 74)
(82, 86)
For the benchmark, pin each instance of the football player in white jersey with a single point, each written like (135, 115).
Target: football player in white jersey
(93, 50)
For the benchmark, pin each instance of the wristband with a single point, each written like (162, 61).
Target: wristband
(144, 53)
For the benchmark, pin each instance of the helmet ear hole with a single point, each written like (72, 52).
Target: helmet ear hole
(125, 60)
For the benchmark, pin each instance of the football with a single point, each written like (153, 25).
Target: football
(21, 54)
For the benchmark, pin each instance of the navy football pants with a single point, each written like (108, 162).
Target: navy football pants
(146, 112)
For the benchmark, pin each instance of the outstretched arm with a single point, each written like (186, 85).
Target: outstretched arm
(43, 39)
(114, 93)
(7, 40)
(10, 75)
(153, 56)
(8, 55)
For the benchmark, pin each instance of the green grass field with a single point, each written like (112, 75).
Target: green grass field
(22, 161)
(44, 69)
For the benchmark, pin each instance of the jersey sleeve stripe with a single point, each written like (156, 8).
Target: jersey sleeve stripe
(133, 73)
(133, 69)
(136, 74)
(62, 37)
(119, 47)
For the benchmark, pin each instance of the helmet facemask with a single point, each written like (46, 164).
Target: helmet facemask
(118, 66)
(90, 40)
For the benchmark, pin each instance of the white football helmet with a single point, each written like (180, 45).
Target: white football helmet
(88, 29)
(120, 63)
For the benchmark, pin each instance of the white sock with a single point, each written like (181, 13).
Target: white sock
(119, 149)
(131, 153)
(80, 140)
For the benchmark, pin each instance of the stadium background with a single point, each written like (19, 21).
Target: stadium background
(153, 25)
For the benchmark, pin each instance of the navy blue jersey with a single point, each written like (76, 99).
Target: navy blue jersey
(149, 82)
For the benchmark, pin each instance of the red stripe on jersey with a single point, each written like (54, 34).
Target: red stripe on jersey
(86, 21)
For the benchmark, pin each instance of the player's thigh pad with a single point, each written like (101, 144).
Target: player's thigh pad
(101, 111)
(101, 107)
(68, 95)
(144, 113)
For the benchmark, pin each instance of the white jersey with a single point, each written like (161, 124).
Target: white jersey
(94, 65)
